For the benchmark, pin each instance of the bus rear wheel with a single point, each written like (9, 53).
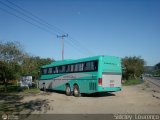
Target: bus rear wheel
(68, 90)
(76, 91)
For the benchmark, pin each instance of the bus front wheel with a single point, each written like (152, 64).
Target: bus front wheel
(68, 90)
(76, 91)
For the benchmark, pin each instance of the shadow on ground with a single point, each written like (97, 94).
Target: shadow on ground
(102, 94)
(11, 103)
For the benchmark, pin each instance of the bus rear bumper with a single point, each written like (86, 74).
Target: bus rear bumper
(109, 89)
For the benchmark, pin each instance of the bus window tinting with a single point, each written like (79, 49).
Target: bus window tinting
(44, 71)
(63, 69)
(68, 68)
(50, 71)
(71, 68)
(81, 65)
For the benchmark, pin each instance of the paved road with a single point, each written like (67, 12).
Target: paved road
(153, 80)
(156, 78)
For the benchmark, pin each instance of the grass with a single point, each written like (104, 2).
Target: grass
(132, 82)
(18, 89)
(31, 90)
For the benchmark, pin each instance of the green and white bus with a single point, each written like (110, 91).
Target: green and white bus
(87, 75)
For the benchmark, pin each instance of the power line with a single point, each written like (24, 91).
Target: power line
(77, 48)
(22, 14)
(69, 43)
(40, 21)
(26, 20)
(77, 43)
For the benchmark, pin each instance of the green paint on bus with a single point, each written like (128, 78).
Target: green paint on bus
(91, 75)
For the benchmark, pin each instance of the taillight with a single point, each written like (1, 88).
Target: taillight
(99, 81)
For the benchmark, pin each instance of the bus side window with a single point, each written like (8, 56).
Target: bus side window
(56, 70)
(49, 70)
(60, 69)
(81, 67)
(45, 71)
(63, 69)
(68, 68)
(53, 70)
(95, 65)
(87, 66)
(72, 68)
(76, 66)
(92, 65)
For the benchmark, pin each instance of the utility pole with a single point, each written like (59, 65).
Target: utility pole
(62, 36)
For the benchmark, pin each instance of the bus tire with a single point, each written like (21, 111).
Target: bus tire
(68, 90)
(76, 91)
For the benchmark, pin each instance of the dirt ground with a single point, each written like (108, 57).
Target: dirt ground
(139, 99)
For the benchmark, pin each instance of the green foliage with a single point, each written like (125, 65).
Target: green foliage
(31, 91)
(4, 69)
(9, 71)
(157, 66)
(11, 55)
(157, 69)
(133, 67)
(31, 65)
(132, 82)
(14, 62)
(11, 52)
(16, 89)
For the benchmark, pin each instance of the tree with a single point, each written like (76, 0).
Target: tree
(133, 67)
(31, 65)
(4, 68)
(157, 69)
(14, 62)
(11, 56)
(157, 66)
(11, 52)
(8, 72)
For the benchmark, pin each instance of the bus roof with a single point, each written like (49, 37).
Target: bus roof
(70, 61)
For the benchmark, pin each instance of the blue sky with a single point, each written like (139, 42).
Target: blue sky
(95, 27)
